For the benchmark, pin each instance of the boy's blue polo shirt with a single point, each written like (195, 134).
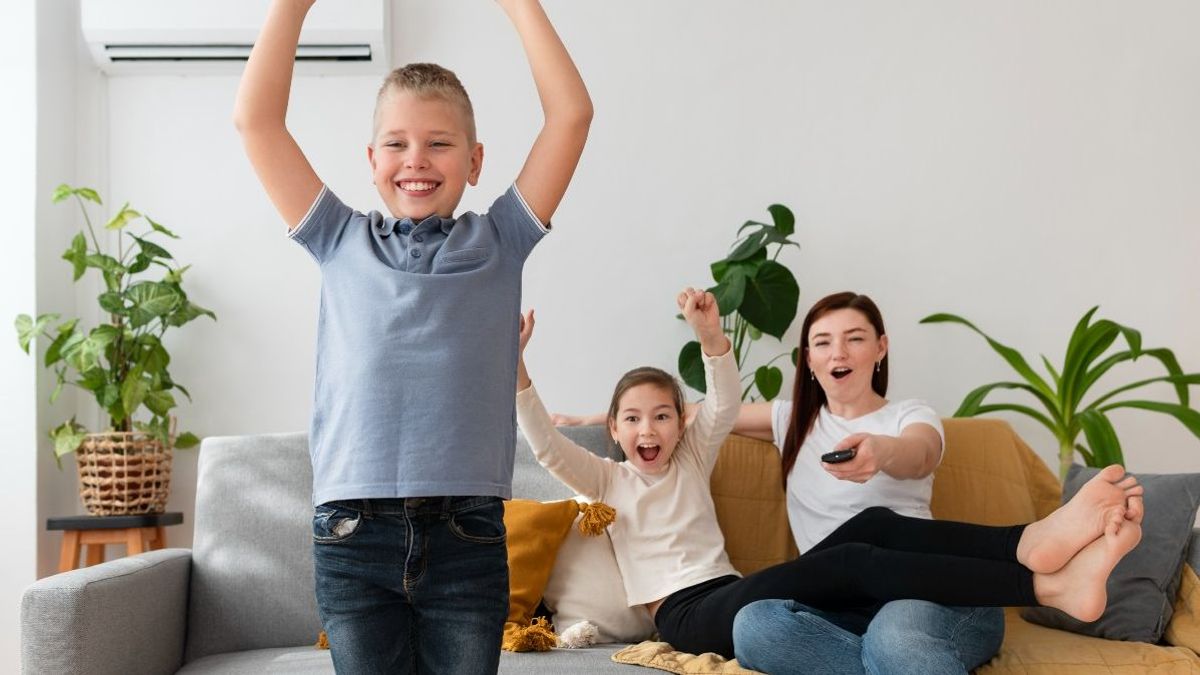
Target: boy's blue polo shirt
(417, 342)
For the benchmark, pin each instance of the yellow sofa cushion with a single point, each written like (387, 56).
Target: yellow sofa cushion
(1030, 649)
(1184, 628)
(989, 476)
(535, 532)
(751, 508)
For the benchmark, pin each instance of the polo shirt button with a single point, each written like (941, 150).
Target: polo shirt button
(415, 253)
(418, 238)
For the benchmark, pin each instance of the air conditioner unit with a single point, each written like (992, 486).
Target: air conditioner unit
(214, 36)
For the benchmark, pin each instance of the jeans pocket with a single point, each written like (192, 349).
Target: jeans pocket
(483, 524)
(334, 524)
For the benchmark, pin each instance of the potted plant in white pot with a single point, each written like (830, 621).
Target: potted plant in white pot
(123, 363)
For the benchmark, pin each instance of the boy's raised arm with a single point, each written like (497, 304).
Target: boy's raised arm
(261, 110)
(565, 103)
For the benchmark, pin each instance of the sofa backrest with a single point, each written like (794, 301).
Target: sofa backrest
(989, 476)
(252, 570)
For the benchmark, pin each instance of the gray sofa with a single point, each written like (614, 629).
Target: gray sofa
(241, 600)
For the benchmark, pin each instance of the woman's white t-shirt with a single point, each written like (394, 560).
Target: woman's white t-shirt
(818, 503)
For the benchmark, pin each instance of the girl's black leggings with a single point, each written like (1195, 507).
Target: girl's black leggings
(876, 556)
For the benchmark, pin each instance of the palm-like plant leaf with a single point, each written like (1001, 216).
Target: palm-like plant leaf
(1102, 438)
(1190, 418)
(1164, 356)
(1012, 356)
(1083, 365)
(1017, 408)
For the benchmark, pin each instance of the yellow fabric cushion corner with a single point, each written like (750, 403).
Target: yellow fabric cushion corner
(660, 655)
(536, 530)
(1184, 628)
(1030, 649)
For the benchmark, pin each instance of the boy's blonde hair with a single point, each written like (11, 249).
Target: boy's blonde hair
(428, 80)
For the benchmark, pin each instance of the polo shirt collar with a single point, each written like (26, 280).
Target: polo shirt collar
(385, 225)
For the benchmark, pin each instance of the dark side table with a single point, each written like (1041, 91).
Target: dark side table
(139, 533)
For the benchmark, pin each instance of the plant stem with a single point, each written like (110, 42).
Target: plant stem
(739, 335)
(88, 221)
(1066, 455)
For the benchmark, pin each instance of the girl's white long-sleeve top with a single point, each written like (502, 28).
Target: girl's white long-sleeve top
(665, 535)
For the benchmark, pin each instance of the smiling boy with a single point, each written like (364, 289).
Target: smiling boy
(412, 433)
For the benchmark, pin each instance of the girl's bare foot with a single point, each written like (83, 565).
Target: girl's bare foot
(1079, 588)
(1100, 506)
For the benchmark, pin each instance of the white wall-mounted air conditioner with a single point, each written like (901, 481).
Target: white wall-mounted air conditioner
(214, 36)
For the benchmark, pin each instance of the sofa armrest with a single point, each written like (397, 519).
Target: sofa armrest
(126, 617)
(1193, 554)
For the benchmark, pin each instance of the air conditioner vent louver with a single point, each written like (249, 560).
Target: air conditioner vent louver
(230, 52)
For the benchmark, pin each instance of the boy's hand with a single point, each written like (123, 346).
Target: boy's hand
(700, 310)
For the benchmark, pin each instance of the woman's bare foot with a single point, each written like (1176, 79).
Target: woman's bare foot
(1079, 588)
(1100, 506)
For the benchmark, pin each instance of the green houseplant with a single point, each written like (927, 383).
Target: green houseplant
(1062, 396)
(756, 295)
(122, 362)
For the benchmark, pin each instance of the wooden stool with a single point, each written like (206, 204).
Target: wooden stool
(138, 533)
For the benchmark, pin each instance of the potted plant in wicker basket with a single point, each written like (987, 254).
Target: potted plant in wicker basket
(123, 363)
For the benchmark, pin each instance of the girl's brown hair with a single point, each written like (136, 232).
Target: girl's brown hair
(646, 375)
(807, 394)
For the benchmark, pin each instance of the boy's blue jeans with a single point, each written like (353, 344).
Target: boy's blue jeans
(782, 637)
(417, 585)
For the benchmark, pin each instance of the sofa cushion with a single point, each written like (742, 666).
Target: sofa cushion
(1142, 587)
(586, 585)
(989, 476)
(747, 491)
(535, 532)
(1184, 629)
(309, 661)
(280, 661)
(532, 481)
(252, 569)
(1029, 649)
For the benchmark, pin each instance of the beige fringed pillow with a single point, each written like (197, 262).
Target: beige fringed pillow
(535, 532)
(586, 585)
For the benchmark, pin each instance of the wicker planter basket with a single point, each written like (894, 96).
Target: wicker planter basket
(123, 473)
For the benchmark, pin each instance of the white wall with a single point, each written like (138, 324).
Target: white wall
(1016, 163)
(61, 157)
(18, 407)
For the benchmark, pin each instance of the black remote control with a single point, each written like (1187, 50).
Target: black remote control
(839, 456)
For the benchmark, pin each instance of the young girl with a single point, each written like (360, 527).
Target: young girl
(671, 552)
